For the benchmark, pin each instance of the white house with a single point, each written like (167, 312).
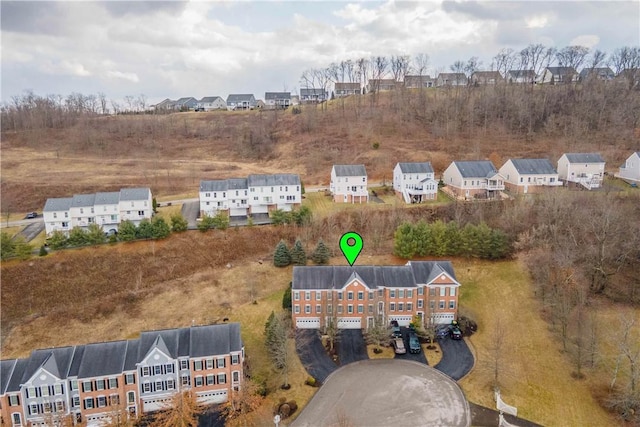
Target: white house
(473, 179)
(558, 75)
(586, 169)
(105, 209)
(529, 175)
(209, 103)
(277, 100)
(630, 170)
(313, 95)
(451, 79)
(241, 101)
(349, 184)
(521, 76)
(56, 215)
(342, 89)
(415, 182)
(256, 194)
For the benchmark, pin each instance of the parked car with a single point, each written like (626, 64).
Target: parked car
(31, 215)
(398, 346)
(395, 329)
(456, 333)
(442, 331)
(414, 343)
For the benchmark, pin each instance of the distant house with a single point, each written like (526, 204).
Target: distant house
(521, 76)
(209, 103)
(107, 210)
(529, 175)
(486, 78)
(92, 383)
(603, 73)
(342, 89)
(185, 104)
(256, 194)
(312, 95)
(349, 184)
(630, 76)
(167, 104)
(558, 75)
(241, 102)
(415, 182)
(630, 170)
(416, 82)
(362, 296)
(585, 169)
(376, 85)
(473, 179)
(277, 100)
(451, 79)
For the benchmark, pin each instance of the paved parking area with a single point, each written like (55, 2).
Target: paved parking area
(351, 346)
(386, 392)
(457, 359)
(416, 357)
(313, 355)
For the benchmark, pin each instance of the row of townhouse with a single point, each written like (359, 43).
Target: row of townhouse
(107, 210)
(256, 194)
(94, 383)
(239, 101)
(359, 297)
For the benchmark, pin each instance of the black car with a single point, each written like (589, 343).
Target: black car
(395, 329)
(456, 333)
(414, 343)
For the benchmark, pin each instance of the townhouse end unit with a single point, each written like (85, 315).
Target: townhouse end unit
(256, 194)
(360, 297)
(349, 184)
(107, 210)
(630, 170)
(90, 384)
(581, 169)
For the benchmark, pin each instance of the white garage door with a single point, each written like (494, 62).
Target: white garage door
(260, 209)
(238, 212)
(308, 323)
(210, 397)
(443, 319)
(155, 404)
(349, 323)
(402, 320)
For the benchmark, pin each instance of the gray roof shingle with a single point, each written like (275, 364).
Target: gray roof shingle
(584, 158)
(476, 168)
(57, 204)
(350, 170)
(214, 185)
(83, 200)
(135, 193)
(276, 179)
(111, 198)
(6, 369)
(240, 97)
(424, 167)
(277, 95)
(312, 91)
(105, 358)
(210, 99)
(533, 166)
(336, 277)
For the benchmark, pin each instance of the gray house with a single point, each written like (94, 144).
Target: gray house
(185, 104)
(277, 100)
(241, 102)
(312, 95)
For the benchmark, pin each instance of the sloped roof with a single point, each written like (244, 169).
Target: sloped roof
(476, 168)
(214, 185)
(210, 99)
(350, 170)
(600, 71)
(135, 193)
(82, 200)
(584, 158)
(424, 167)
(336, 277)
(256, 180)
(521, 73)
(240, 97)
(111, 198)
(312, 91)
(533, 166)
(185, 100)
(561, 70)
(100, 359)
(6, 369)
(57, 204)
(277, 95)
(488, 74)
(238, 183)
(347, 86)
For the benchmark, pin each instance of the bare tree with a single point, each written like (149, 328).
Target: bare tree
(625, 58)
(496, 349)
(536, 57)
(420, 64)
(182, 411)
(572, 56)
(364, 67)
(399, 66)
(597, 59)
(102, 98)
(504, 61)
(379, 65)
(472, 65)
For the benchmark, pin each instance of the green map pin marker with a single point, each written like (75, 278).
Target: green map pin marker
(351, 246)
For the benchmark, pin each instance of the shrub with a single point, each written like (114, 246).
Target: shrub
(280, 217)
(43, 251)
(57, 240)
(95, 235)
(161, 229)
(178, 223)
(286, 298)
(376, 145)
(77, 237)
(145, 229)
(321, 254)
(281, 257)
(127, 231)
(221, 221)
(301, 216)
(206, 223)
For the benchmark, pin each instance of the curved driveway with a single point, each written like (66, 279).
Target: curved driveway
(400, 393)
(457, 359)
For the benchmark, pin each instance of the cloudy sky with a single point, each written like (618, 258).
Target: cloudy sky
(197, 48)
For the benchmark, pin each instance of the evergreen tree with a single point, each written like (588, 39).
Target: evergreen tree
(154, 205)
(206, 223)
(483, 241)
(499, 246)
(145, 229)
(298, 255)
(6, 246)
(221, 221)
(161, 229)
(286, 298)
(301, 216)
(178, 223)
(281, 257)
(438, 231)
(127, 231)
(468, 240)
(404, 241)
(452, 238)
(95, 234)
(77, 237)
(280, 217)
(321, 254)
(57, 240)
(424, 241)
(43, 251)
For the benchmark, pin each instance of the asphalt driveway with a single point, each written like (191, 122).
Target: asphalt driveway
(416, 357)
(190, 211)
(351, 346)
(457, 359)
(313, 355)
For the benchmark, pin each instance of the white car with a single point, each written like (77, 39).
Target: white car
(398, 346)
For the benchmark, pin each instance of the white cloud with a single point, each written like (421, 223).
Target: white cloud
(537, 21)
(586, 40)
(132, 77)
(64, 67)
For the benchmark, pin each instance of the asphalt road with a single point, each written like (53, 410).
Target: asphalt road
(190, 210)
(457, 359)
(351, 346)
(313, 355)
(31, 230)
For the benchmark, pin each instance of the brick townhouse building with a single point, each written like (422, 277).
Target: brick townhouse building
(93, 383)
(357, 297)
